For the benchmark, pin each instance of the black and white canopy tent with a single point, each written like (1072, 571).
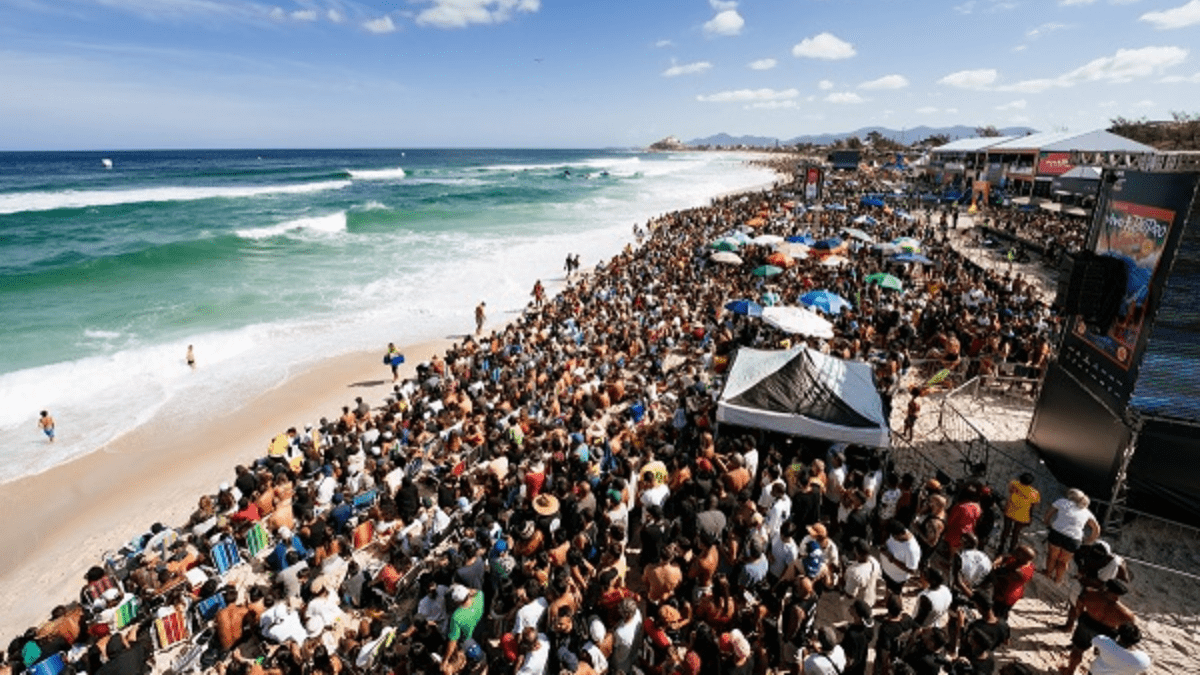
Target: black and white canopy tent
(802, 392)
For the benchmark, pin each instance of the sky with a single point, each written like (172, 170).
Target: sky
(140, 74)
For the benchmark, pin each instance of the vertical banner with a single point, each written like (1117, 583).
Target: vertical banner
(812, 182)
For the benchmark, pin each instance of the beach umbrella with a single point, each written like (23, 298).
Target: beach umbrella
(912, 258)
(723, 245)
(826, 301)
(769, 299)
(798, 251)
(767, 239)
(834, 261)
(818, 208)
(798, 321)
(780, 259)
(837, 207)
(827, 244)
(806, 239)
(737, 236)
(726, 258)
(864, 219)
(858, 234)
(872, 201)
(744, 307)
(907, 244)
(885, 280)
(767, 271)
(905, 215)
(756, 222)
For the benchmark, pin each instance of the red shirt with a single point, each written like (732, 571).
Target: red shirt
(249, 514)
(960, 520)
(1010, 588)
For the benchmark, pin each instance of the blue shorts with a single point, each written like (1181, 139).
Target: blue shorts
(49, 431)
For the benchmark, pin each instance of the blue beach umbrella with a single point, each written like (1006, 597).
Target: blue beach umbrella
(806, 239)
(828, 244)
(744, 307)
(872, 201)
(826, 301)
(912, 258)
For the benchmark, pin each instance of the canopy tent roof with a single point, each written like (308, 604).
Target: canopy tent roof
(1067, 141)
(1083, 173)
(970, 144)
(803, 392)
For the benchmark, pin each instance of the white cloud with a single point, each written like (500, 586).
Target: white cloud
(1144, 104)
(463, 13)
(1127, 64)
(728, 22)
(335, 16)
(824, 85)
(971, 79)
(277, 13)
(687, 69)
(1031, 86)
(886, 82)
(1177, 79)
(763, 64)
(772, 105)
(989, 7)
(1045, 29)
(951, 111)
(1075, 2)
(824, 46)
(305, 15)
(965, 8)
(749, 95)
(380, 26)
(722, 5)
(1020, 48)
(845, 97)
(664, 43)
(1108, 104)
(1018, 104)
(1178, 17)
(927, 110)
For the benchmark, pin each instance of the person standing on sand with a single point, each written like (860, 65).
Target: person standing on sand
(394, 358)
(46, 423)
(480, 317)
(539, 294)
(191, 357)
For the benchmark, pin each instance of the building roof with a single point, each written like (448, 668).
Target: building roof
(1067, 141)
(971, 144)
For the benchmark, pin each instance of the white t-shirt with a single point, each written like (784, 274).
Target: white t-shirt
(1113, 659)
(907, 552)
(820, 664)
(975, 566)
(862, 580)
(939, 600)
(535, 661)
(783, 553)
(530, 615)
(1070, 519)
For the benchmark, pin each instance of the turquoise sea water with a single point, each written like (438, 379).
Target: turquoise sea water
(268, 261)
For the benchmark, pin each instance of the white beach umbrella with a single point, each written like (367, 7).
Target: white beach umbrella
(726, 258)
(834, 261)
(797, 251)
(798, 321)
(767, 239)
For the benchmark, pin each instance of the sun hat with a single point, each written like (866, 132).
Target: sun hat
(545, 504)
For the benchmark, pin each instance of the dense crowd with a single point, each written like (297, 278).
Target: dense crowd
(555, 496)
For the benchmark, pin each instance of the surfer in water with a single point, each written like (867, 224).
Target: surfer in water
(191, 357)
(46, 423)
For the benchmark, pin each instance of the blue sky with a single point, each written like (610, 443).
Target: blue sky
(118, 74)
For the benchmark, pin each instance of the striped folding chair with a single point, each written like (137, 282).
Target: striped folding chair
(257, 539)
(225, 556)
(170, 630)
(207, 608)
(97, 588)
(127, 613)
(54, 664)
(363, 535)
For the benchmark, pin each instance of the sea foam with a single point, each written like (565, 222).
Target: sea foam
(21, 202)
(377, 174)
(329, 224)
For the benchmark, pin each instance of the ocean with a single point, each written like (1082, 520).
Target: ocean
(269, 261)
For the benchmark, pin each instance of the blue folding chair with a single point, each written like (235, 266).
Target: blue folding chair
(365, 500)
(54, 664)
(225, 556)
(207, 608)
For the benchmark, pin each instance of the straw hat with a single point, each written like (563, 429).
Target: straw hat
(545, 504)
(818, 531)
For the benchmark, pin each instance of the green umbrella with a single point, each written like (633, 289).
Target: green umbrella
(723, 245)
(767, 271)
(885, 281)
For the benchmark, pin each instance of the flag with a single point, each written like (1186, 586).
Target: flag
(940, 376)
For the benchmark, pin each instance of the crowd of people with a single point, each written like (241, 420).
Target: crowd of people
(555, 497)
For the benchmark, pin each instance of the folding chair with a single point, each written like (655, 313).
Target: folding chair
(54, 664)
(363, 535)
(207, 608)
(365, 500)
(97, 588)
(127, 613)
(225, 556)
(257, 539)
(170, 630)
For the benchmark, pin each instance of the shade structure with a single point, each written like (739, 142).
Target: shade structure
(797, 251)
(724, 245)
(756, 222)
(828, 244)
(767, 239)
(767, 271)
(826, 301)
(769, 299)
(726, 258)
(858, 234)
(806, 239)
(872, 201)
(834, 261)
(864, 219)
(798, 321)
(803, 392)
(912, 258)
(780, 259)
(836, 207)
(884, 280)
(744, 307)
(907, 244)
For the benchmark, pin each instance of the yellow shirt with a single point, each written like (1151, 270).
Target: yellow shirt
(1021, 499)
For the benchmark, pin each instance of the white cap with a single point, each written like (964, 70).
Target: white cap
(459, 593)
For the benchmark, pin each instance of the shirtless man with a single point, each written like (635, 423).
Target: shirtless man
(1098, 612)
(230, 621)
(191, 357)
(480, 317)
(46, 424)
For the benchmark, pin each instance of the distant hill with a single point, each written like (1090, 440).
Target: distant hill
(900, 135)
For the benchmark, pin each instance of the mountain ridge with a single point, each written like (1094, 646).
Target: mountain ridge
(900, 135)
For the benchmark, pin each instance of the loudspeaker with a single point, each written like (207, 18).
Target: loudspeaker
(1092, 286)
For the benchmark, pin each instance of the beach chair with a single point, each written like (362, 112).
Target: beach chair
(225, 556)
(170, 630)
(97, 588)
(54, 664)
(207, 608)
(365, 500)
(363, 535)
(127, 613)
(258, 539)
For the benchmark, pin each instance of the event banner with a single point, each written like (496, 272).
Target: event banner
(812, 183)
(1138, 221)
(1054, 163)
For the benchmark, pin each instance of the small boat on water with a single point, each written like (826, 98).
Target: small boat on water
(106, 162)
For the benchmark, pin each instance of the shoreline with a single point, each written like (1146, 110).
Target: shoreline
(92, 504)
